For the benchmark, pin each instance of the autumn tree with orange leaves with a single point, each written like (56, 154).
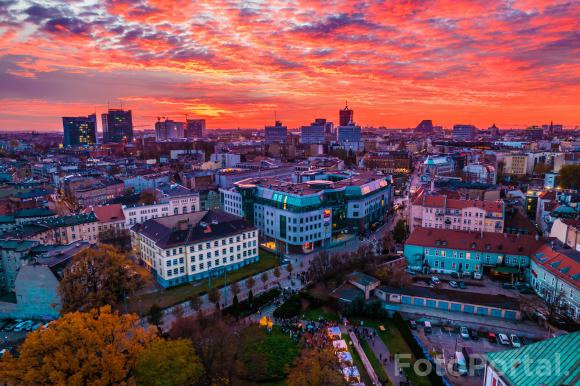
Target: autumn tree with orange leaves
(99, 347)
(97, 277)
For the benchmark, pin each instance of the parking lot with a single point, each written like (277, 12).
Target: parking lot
(446, 340)
(13, 332)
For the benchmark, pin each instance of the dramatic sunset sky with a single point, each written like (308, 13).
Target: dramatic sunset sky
(515, 63)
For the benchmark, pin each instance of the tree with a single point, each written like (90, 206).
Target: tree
(155, 314)
(98, 347)
(277, 273)
(236, 307)
(541, 168)
(147, 198)
(400, 231)
(251, 298)
(569, 177)
(216, 342)
(195, 302)
(387, 243)
(264, 278)
(168, 363)
(95, 278)
(214, 296)
(177, 311)
(235, 287)
(289, 269)
(250, 283)
(315, 367)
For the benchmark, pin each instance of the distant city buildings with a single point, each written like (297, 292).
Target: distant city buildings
(194, 128)
(463, 132)
(424, 127)
(276, 134)
(345, 116)
(316, 133)
(349, 137)
(168, 129)
(80, 131)
(117, 126)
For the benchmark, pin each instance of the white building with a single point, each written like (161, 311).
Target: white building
(193, 246)
(171, 200)
(226, 160)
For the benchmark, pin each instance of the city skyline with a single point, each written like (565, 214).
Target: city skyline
(510, 63)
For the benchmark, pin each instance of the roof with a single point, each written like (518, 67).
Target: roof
(564, 263)
(528, 365)
(457, 296)
(522, 245)
(362, 279)
(441, 201)
(574, 223)
(34, 212)
(107, 213)
(17, 245)
(190, 228)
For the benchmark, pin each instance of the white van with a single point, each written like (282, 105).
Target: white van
(428, 328)
(461, 363)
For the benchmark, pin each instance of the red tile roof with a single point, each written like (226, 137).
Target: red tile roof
(107, 213)
(452, 203)
(573, 222)
(559, 264)
(465, 240)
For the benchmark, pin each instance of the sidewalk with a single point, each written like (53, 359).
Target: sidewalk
(381, 352)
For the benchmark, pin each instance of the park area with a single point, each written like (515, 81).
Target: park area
(165, 298)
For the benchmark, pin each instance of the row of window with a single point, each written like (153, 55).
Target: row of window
(216, 243)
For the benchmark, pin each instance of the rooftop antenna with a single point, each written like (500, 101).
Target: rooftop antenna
(275, 116)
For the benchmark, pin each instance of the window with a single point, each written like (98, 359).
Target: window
(169, 263)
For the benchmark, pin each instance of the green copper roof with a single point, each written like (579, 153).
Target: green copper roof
(549, 362)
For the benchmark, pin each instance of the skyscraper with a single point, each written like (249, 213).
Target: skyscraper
(80, 131)
(195, 128)
(168, 129)
(117, 126)
(315, 133)
(276, 133)
(345, 116)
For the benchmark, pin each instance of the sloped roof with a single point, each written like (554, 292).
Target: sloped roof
(523, 245)
(564, 263)
(107, 213)
(527, 365)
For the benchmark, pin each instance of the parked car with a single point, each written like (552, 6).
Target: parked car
(455, 275)
(412, 325)
(526, 291)
(462, 285)
(453, 284)
(435, 280)
(491, 337)
(464, 332)
(474, 334)
(515, 341)
(503, 339)
(37, 325)
(428, 329)
(508, 286)
(477, 275)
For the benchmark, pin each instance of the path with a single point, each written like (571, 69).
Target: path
(366, 363)
(381, 352)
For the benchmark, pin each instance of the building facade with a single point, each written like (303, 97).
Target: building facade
(298, 217)
(80, 131)
(469, 253)
(193, 246)
(463, 132)
(117, 126)
(194, 128)
(275, 134)
(168, 129)
(441, 212)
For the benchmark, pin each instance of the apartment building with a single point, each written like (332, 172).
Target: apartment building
(193, 246)
(441, 212)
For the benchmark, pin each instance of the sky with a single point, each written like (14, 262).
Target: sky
(509, 62)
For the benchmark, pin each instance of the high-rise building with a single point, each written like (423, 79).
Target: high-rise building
(463, 132)
(315, 133)
(80, 131)
(195, 128)
(346, 116)
(117, 126)
(425, 127)
(168, 129)
(493, 130)
(534, 133)
(276, 133)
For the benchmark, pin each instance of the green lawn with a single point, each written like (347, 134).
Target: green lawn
(396, 344)
(379, 369)
(171, 296)
(315, 313)
(364, 377)
(266, 358)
